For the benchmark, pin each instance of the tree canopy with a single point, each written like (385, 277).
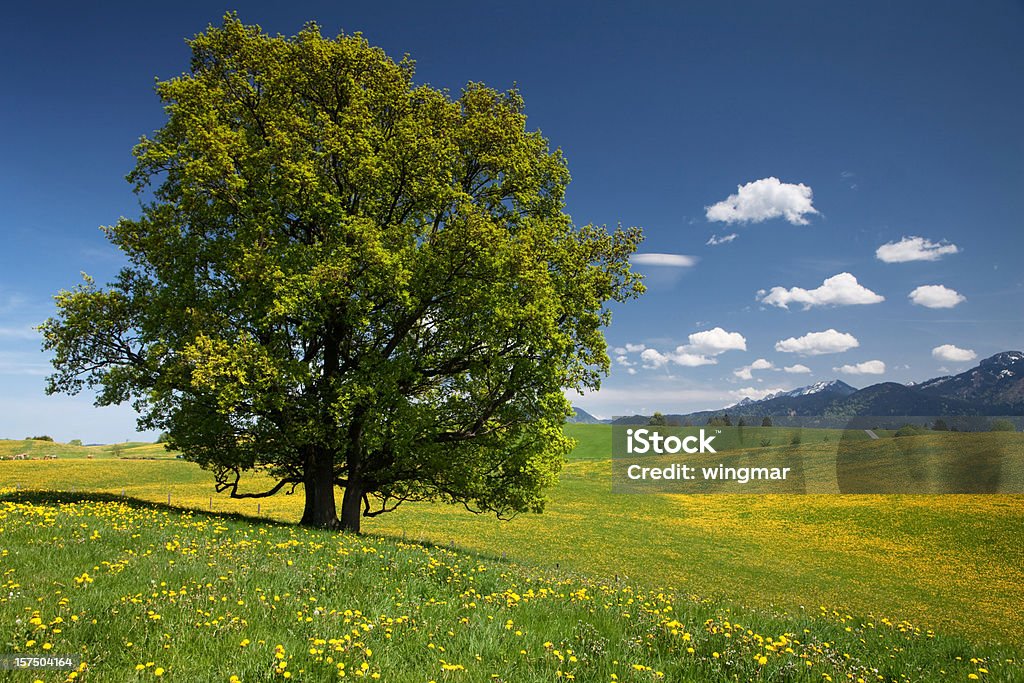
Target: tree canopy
(342, 278)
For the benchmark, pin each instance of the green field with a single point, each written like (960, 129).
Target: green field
(906, 565)
(37, 449)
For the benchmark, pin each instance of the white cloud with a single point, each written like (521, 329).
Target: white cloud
(754, 394)
(759, 364)
(763, 199)
(624, 361)
(690, 360)
(953, 354)
(838, 290)
(628, 348)
(653, 359)
(817, 343)
(715, 240)
(701, 350)
(914, 249)
(936, 296)
(868, 367)
(643, 400)
(715, 341)
(797, 369)
(671, 260)
(631, 371)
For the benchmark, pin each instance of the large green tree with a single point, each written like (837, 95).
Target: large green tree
(343, 279)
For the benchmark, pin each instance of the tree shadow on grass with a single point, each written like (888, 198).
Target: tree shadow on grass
(50, 497)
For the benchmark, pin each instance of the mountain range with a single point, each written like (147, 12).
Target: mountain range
(581, 416)
(994, 387)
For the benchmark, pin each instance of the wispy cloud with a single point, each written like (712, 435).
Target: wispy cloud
(754, 394)
(868, 367)
(653, 359)
(715, 240)
(797, 369)
(23, 363)
(645, 400)
(629, 348)
(914, 249)
(668, 260)
(10, 301)
(26, 332)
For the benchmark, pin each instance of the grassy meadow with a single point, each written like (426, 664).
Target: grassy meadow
(40, 449)
(713, 587)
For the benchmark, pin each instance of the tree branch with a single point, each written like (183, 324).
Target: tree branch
(222, 484)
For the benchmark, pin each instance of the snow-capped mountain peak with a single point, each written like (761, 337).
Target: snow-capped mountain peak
(835, 386)
(1004, 359)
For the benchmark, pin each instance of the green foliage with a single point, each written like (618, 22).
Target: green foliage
(39, 438)
(766, 422)
(75, 442)
(1002, 425)
(348, 279)
(940, 425)
(908, 430)
(657, 420)
(795, 439)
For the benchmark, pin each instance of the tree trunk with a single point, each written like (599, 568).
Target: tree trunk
(352, 502)
(320, 510)
(352, 506)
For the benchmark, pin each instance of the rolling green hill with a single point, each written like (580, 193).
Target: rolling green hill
(142, 592)
(37, 449)
(949, 563)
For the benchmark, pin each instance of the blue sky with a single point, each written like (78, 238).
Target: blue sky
(813, 132)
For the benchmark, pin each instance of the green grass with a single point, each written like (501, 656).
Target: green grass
(142, 592)
(594, 441)
(38, 449)
(953, 564)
